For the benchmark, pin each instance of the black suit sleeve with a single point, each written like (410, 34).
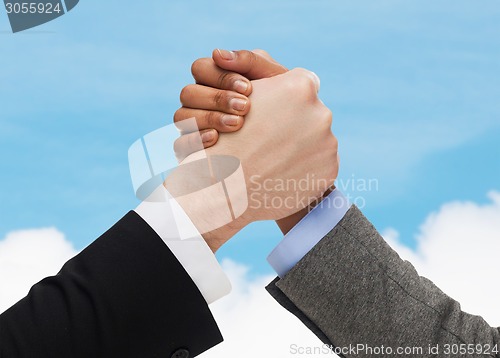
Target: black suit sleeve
(125, 295)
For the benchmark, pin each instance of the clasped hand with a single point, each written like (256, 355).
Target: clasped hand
(248, 106)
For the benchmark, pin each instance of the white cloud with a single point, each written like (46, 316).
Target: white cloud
(253, 323)
(457, 248)
(27, 257)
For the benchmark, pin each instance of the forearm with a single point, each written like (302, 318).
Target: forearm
(357, 290)
(121, 296)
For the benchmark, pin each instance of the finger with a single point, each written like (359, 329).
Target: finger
(265, 54)
(207, 73)
(211, 99)
(221, 122)
(190, 143)
(247, 63)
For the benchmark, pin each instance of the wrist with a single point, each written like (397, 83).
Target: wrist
(211, 203)
(218, 237)
(287, 224)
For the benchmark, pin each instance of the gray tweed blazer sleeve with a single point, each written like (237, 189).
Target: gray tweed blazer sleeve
(352, 289)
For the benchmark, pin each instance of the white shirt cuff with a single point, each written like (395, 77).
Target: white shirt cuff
(170, 222)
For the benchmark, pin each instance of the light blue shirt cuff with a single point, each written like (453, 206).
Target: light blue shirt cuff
(308, 232)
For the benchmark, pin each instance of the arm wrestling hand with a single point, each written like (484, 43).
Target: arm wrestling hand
(286, 142)
(225, 70)
(210, 99)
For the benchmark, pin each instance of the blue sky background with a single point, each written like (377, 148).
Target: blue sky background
(414, 87)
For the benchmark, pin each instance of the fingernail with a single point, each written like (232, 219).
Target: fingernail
(229, 120)
(238, 104)
(240, 86)
(207, 136)
(227, 55)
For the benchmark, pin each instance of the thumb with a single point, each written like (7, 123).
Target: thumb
(253, 65)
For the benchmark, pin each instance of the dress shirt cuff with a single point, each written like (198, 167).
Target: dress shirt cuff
(308, 232)
(170, 222)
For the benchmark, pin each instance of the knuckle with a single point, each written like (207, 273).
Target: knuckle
(249, 58)
(224, 80)
(178, 115)
(187, 144)
(252, 58)
(261, 52)
(186, 93)
(184, 122)
(179, 145)
(199, 66)
(299, 72)
(212, 119)
(327, 116)
(193, 142)
(305, 84)
(307, 81)
(220, 99)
